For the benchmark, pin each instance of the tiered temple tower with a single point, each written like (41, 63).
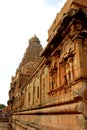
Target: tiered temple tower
(32, 53)
(30, 61)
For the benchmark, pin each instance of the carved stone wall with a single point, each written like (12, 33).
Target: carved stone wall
(55, 95)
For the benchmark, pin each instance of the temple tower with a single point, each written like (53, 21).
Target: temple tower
(31, 56)
(30, 61)
(32, 53)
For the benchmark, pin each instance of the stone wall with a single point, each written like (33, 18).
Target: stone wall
(55, 95)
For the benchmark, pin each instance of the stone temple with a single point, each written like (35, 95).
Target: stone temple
(49, 89)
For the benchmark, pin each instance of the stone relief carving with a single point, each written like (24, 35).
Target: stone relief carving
(69, 71)
(67, 64)
(52, 66)
(85, 48)
(53, 76)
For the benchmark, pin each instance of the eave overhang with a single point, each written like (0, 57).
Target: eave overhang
(63, 29)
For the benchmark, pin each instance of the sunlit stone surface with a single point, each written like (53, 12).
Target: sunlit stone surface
(49, 89)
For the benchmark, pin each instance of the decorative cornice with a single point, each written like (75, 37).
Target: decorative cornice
(64, 28)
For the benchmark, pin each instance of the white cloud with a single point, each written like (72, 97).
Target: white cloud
(19, 21)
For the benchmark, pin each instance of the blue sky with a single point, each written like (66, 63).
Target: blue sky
(53, 2)
(19, 21)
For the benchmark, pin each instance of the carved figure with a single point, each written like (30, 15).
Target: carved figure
(69, 71)
(71, 68)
